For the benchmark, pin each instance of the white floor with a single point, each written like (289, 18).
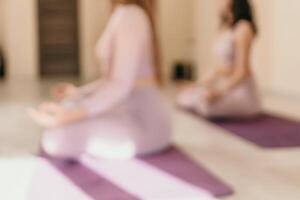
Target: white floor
(254, 173)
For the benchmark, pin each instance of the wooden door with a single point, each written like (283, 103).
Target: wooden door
(58, 37)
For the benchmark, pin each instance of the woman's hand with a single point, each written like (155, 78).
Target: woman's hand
(63, 91)
(46, 115)
(212, 95)
(51, 115)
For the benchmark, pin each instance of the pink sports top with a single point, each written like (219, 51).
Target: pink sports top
(126, 52)
(224, 49)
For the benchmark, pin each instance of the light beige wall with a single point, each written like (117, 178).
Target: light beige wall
(262, 55)
(286, 40)
(205, 28)
(175, 24)
(20, 35)
(175, 29)
(187, 29)
(93, 17)
(1, 22)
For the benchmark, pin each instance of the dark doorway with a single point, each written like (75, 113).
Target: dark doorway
(58, 37)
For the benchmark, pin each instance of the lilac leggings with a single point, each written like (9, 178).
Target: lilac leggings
(139, 126)
(242, 101)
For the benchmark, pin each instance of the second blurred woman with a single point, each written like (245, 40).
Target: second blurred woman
(229, 91)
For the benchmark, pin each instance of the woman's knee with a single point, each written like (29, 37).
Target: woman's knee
(55, 144)
(185, 100)
(154, 142)
(112, 148)
(51, 144)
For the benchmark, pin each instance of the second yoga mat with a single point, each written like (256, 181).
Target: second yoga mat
(267, 130)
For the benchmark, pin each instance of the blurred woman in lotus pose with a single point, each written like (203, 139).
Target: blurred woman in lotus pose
(121, 115)
(229, 91)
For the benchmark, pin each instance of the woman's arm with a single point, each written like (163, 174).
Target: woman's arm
(210, 78)
(90, 87)
(131, 39)
(243, 42)
(214, 75)
(51, 115)
(64, 92)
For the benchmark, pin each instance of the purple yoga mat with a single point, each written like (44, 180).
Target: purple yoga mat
(172, 161)
(176, 163)
(95, 186)
(267, 130)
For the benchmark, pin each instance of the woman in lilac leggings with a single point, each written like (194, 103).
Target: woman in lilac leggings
(121, 115)
(229, 91)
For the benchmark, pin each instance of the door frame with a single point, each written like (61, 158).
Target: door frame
(39, 45)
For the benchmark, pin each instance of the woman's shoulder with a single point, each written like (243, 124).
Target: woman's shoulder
(132, 17)
(131, 11)
(243, 24)
(243, 29)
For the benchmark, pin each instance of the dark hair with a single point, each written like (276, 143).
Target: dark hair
(242, 10)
